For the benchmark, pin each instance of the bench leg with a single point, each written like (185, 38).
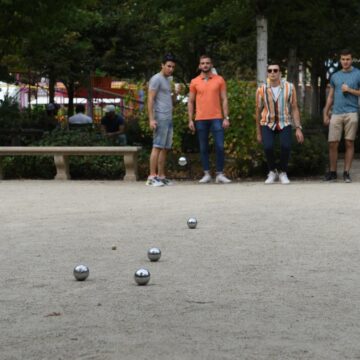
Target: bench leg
(1, 168)
(131, 167)
(62, 167)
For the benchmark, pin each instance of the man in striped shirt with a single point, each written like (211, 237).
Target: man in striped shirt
(276, 109)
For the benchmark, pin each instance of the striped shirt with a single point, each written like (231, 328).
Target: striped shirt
(276, 112)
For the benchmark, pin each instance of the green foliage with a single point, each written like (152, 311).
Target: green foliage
(9, 113)
(244, 156)
(81, 167)
(309, 158)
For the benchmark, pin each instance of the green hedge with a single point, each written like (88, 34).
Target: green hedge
(81, 167)
(244, 156)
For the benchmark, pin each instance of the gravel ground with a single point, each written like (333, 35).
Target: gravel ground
(271, 272)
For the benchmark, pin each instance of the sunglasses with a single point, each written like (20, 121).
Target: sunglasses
(273, 71)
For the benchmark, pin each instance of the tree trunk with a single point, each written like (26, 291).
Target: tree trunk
(90, 95)
(52, 83)
(322, 89)
(293, 68)
(315, 92)
(70, 87)
(262, 50)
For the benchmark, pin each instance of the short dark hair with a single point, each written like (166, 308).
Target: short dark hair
(80, 108)
(205, 56)
(274, 63)
(345, 52)
(168, 57)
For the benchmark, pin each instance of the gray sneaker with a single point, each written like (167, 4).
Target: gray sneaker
(154, 182)
(166, 181)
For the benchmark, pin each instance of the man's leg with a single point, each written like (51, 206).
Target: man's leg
(218, 134)
(203, 127)
(268, 137)
(154, 160)
(161, 163)
(349, 154)
(336, 127)
(350, 129)
(333, 155)
(285, 148)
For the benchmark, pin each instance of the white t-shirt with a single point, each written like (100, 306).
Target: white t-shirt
(80, 118)
(275, 91)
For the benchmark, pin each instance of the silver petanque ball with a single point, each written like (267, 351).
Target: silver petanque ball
(192, 223)
(81, 272)
(182, 161)
(154, 254)
(142, 276)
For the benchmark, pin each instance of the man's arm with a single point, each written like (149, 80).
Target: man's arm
(103, 130)
(296, 116)
(345, 88)
(191, 106)
(329, 102)
(151, 98)
(225, 108)
(258, 110)
(257, 122)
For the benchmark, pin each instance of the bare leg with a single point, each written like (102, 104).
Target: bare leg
(349, 154)
(154, 160)
(161, 163)
(333, 154)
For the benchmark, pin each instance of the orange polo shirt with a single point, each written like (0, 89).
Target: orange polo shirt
(208, 100)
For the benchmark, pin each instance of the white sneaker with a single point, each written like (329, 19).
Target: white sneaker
(222, 179)
(205, 179)
(283, 178)
(271, 178)
(154, 182)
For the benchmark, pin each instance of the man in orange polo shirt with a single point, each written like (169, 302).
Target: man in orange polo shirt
(208, 95)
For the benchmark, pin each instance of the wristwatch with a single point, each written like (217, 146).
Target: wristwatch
(298, 127)
(227, 118)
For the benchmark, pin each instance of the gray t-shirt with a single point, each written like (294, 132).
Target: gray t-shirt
(163, 102)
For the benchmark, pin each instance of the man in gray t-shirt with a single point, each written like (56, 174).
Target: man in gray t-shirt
(160, 104)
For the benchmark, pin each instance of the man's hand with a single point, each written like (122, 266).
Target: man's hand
(259, 137)
(226, 123)
(153, 124)
(326, 119)
(344, 88)
(192, 126)
(299, 136)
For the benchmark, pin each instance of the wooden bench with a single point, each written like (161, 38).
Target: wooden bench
(61, 156)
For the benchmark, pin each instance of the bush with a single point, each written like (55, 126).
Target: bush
(81, 167)
(244, 156)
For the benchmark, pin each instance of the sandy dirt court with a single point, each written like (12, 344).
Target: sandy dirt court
(271, 272)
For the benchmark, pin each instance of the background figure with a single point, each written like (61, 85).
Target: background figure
(113, 126)
(208, 92)
(276, 107)
(343, 94)
(160, 106)
(80, 119)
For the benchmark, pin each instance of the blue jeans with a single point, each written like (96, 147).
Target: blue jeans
(203, 128)
(268, 137)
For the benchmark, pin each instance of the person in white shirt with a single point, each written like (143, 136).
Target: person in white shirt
(80, 118)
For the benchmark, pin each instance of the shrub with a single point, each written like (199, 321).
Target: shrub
(89, 167)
